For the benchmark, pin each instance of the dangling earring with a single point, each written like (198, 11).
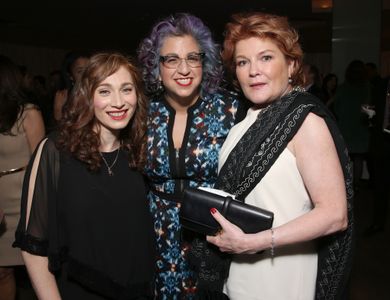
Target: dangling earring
(160, 87)
(289, 80)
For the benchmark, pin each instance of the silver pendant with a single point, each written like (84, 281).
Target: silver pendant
(110, 173)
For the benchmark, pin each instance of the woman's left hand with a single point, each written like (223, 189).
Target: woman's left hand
(231, 238)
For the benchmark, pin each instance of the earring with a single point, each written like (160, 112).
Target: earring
(289, 80)
(160, 87)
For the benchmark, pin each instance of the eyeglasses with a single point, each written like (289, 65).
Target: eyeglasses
(193, 60)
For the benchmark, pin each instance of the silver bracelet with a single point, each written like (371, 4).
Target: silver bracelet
(272, 250)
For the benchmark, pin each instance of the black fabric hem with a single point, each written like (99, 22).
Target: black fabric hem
(30, 244)
(106, 286)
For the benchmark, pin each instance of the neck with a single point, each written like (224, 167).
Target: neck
(109, 141)
(181, 104)
(287, 90)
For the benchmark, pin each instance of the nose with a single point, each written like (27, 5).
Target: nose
(183, 67)
(117, 100)
(254, 70)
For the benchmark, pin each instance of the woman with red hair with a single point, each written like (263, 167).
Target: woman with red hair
(286, 156)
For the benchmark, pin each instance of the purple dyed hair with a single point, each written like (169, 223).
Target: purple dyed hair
(179, 25)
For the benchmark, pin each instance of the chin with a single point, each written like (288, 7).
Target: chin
(261, 102)
(118, 125)
(257, 100)
(186, 94)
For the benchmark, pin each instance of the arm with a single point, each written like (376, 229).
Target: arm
(32, 234)
(59, 101)
(34, 127)
(42, 279)
(318, 163)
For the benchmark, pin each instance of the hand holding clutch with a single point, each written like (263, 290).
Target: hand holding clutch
(195, 212)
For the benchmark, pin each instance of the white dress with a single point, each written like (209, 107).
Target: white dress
(291, 274)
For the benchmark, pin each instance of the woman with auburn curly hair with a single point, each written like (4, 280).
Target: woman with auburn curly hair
(287, 156)
(85, 230)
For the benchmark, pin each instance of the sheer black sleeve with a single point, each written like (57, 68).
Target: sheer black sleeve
(38, 203)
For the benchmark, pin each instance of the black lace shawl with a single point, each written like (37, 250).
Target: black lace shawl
(247, 164)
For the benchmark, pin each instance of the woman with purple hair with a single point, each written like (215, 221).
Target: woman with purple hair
(189, 118)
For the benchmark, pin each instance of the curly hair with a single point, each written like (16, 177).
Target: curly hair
(78, 134)
(180, 24)
(263, 26)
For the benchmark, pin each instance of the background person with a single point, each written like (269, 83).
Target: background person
(329, 87)
(379, 158)
(351, 96)
(72, 69)
(313, 81)
(21, 129)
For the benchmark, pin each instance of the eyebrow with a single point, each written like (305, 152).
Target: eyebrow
(175, 54)
(260, 53)
(109, 85)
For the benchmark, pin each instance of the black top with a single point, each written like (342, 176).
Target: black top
(96, 225)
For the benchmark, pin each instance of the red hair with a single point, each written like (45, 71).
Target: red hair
(263, 26)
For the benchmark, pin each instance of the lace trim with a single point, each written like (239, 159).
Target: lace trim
(268, 149)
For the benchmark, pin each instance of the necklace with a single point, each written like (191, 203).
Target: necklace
(109, 168)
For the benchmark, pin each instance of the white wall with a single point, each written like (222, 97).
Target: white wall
(356, 33)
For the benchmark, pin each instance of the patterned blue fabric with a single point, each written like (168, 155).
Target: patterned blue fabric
(195, 164)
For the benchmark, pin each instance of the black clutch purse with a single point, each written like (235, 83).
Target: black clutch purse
(195, 213)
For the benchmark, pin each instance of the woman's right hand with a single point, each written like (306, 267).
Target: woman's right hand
(232, 239)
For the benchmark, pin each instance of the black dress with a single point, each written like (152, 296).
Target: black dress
(95, 229)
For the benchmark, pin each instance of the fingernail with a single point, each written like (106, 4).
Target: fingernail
(213, 210)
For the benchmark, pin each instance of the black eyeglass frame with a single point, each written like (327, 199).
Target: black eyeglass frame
(163, 59)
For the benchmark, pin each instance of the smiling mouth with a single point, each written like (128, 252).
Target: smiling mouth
(118, 115)
(184, 81)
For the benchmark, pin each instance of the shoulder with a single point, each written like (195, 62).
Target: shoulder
(317, 111)
(223, 100)
(46, 158)
(30, 106)
(315, 124)
(28, 109)
(309, 102)
(307, 98)
(156, 104)
(313, 134)
(226, 96)
(31, 111)
(48, 144)
(229, 103)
